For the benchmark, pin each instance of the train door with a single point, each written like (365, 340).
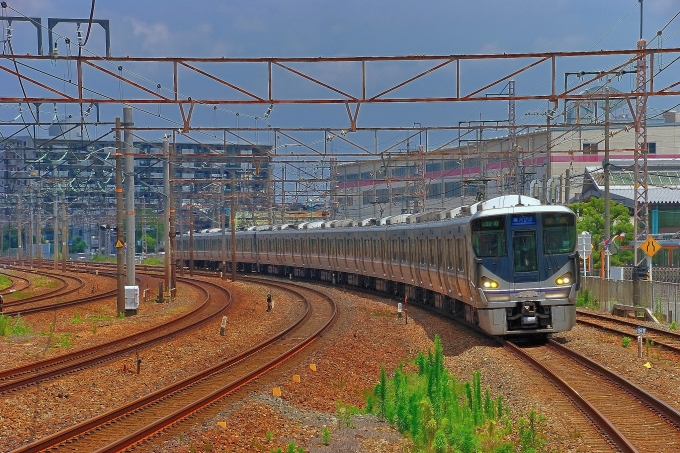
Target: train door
(460, 268)
(524, 256)
(439, 264)
(468, 269)
(357, 253)
(448, 264)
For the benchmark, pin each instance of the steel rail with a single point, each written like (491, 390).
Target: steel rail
(93, 424)
(57, 366)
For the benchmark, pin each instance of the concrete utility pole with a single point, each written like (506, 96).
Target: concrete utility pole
(55, 222)
(167, 209)
(120, 253)
(129, 197)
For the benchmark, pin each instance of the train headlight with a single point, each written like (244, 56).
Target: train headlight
(564, 279)
(487, 283)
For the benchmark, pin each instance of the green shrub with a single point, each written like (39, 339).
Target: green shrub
(625, 342)
(440, 414)
(586, 300)
(326, 436)
(673, 326)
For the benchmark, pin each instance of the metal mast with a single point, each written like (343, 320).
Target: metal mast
(640, 205)
(512, 135)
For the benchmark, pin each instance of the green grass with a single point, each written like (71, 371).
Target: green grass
(13, 326)
(5, 282)
(153, 261)
(44, 282)
(103, 259)
(587, 300)
(440, 414)
(64, 340)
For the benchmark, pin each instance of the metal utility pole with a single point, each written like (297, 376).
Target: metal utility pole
(512, 135)
(191, 236)
(55, 223)
(232, 214)
(129, 197)
(172, 220)
(30, 232)
(223, 227)
(640, 204)
(39, 228)
(64, 236)
(120, 253)
(167, 209)
(20, 256)
(605, 168)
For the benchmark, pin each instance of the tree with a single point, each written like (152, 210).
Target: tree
(590, 218)
(78, 245)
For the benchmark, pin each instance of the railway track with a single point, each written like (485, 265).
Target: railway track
(669, 341)
(214, 304)
(628, 418)
(15, 286)
(133, 423)
(68, 285)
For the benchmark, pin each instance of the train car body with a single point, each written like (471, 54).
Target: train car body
(508, 265)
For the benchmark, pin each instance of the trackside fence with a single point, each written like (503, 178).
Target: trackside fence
(662, 298)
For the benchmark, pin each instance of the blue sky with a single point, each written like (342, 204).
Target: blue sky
(307, 28)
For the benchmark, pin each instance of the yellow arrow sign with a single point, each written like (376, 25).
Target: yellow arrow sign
(650, 247)
(119, 244)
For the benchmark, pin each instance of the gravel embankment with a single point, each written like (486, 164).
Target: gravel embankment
(367, 335)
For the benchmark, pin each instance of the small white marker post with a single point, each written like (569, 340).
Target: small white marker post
(223, 326)
(640, 332)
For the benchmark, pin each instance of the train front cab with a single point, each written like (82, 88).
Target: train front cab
(526, 267)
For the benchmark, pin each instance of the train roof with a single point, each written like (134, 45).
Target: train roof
(505, 204)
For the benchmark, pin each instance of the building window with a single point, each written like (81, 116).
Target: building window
(589, 148)
(651, 148)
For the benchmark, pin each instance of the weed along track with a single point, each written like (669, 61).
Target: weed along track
(215, 302)
(628, 418)
(132, 423)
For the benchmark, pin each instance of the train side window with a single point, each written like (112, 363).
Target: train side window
(449, 254)
(459, 253)
(432, 253)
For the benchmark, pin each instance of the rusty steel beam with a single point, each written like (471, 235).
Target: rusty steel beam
(440, 61)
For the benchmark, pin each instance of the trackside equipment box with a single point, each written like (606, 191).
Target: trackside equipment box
(131, 300)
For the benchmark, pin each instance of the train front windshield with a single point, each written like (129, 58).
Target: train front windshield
(488, 237)
(559, 233)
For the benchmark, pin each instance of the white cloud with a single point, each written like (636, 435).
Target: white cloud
(154, 38)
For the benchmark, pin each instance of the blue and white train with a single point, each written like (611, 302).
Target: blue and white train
(508, 265)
